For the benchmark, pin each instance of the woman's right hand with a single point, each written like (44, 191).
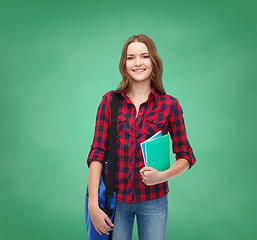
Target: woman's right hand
(100, 220)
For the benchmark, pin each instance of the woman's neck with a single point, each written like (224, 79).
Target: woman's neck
(139, 90)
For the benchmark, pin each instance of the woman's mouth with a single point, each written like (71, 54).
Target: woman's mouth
(139, 70)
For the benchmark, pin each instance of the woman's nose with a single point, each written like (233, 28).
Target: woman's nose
(138, 62)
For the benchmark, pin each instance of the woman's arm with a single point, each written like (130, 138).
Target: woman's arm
(94, 175)
(151, 176)
(98, 217)
(177, 130)
(95, 161)
(179, 167)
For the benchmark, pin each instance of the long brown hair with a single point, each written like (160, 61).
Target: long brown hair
(156, 74)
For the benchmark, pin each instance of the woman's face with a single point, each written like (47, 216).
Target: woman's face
(138, 63)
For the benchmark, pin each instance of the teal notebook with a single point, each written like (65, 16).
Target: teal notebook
(158, 153)
(156, 135)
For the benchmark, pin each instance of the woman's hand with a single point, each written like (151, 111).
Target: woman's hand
(100, 220)
(151, 176)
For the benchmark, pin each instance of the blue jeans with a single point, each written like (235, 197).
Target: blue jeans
(152, 218)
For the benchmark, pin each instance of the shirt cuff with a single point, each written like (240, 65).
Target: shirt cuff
(189, 156)
(96, 154)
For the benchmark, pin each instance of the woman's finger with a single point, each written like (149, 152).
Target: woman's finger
(143, 176)
(109, 222)
(98, 231)
(106, 228)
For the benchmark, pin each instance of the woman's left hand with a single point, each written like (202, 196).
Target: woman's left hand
(151, 176)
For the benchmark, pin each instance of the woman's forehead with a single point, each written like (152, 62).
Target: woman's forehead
(137, 47)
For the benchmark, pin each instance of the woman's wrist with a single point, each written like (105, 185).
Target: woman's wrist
(93, 203)
(179, 167)
(93, 200)
(165, 176)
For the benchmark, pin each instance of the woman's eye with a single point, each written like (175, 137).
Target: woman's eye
(146, 56)
(129, 58)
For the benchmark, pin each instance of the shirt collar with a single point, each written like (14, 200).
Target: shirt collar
(123, 94)
(154, 93)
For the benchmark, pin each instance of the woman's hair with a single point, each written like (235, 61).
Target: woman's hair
(156, 74)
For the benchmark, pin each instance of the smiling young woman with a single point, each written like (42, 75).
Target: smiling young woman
(138, 64)
(144, 109)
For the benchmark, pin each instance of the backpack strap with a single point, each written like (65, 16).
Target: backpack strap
(112, 150)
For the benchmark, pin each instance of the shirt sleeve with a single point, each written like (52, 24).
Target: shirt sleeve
(180, 144)
(100, 146)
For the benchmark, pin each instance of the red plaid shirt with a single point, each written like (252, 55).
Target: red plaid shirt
(159, 112)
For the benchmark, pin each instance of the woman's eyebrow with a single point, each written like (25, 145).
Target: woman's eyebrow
(130, 54)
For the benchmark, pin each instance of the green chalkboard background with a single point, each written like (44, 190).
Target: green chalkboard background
(58, 58)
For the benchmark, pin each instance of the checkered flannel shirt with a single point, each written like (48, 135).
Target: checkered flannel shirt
(159, 112)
